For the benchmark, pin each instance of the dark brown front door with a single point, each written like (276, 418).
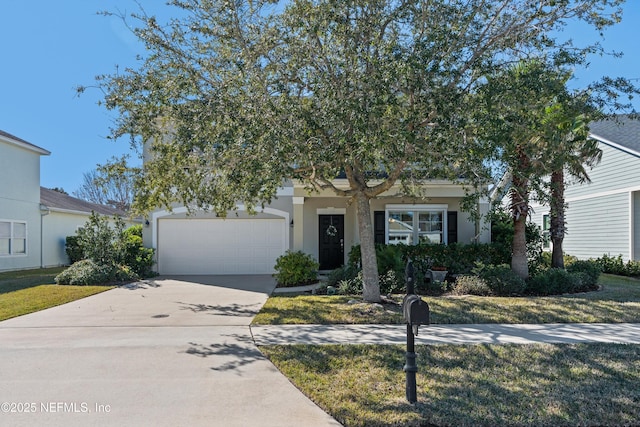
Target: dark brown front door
(331, 240)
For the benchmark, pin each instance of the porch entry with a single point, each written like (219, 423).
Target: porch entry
(331, 238)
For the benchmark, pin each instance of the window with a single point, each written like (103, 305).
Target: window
(13, 238)
(413, 224)
(546, 226)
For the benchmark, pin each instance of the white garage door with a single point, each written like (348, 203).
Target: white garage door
(219, 246)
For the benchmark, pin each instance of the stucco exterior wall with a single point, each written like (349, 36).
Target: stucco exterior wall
(20, 201)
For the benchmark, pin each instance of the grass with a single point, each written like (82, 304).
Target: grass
(28, 291)
(618, 301)
(469, 385)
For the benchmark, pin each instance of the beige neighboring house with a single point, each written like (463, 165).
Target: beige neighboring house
(35, 221)
(320, 224)
(62, 215)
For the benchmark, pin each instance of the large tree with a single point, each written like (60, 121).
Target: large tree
(570, 152)
(241, 95)
(515, 101)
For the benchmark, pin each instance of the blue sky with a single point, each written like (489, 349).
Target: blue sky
(47, 48)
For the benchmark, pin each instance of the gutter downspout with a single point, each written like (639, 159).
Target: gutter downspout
(44, 211)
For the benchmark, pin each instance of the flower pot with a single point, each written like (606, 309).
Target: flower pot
(438, 275)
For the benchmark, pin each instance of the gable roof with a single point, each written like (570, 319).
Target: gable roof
(63, 202)
(622, 132)
(12, 139)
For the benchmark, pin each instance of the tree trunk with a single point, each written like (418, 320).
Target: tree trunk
(519, 212)
(519, 263)
(371, 288)
(556, 216)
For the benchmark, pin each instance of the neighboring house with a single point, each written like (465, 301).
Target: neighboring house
(20, 213)
(322, 225)
(603, 217)
(62, 216)
(34, 221)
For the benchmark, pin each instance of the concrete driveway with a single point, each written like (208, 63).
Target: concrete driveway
(174, 351)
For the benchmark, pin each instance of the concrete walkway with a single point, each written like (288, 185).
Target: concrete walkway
(447, 334)
(170, 352)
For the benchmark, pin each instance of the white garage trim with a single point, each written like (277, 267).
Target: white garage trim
(159, 214)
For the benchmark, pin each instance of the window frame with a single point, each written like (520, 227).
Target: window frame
(415, 211)
(544, 230)
(12, 238)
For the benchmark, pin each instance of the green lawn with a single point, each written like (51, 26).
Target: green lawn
(27, 291)
(617, 301)
(469, 385)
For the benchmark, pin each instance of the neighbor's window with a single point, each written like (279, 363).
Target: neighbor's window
(13, 238)
(416, 224)
(546, 226)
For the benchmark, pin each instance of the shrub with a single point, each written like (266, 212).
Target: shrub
(351, 286)
(554, 281)
(617, 266)
(131, 253)
(96, 239)
(590, 272)
(500, 279)
(88, 272)
(546, 260)
(111, 246)
(346, 272)
(73, 249)
(296, 268)
(467, 284)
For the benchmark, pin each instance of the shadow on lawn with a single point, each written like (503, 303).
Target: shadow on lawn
(17, 280)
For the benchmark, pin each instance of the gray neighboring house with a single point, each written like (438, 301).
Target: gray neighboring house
(603, 217)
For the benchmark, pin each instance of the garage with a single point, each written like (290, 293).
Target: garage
(219, 246)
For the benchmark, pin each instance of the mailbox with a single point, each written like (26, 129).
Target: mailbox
(415, 310)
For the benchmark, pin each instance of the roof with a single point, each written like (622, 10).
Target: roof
(63, 202)
(620, 131)
(7, 137)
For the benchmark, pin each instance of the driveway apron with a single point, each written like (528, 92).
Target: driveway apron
(174, 351)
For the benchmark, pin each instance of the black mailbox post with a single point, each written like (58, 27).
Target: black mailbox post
(416, 313)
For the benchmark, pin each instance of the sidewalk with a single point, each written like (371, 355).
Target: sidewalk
(448, 334)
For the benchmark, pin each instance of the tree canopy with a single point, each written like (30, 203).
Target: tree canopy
(241, 95)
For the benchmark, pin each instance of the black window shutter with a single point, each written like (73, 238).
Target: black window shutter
(378, 227)
(452, 227)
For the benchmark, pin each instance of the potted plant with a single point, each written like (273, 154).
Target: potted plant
(438, 271)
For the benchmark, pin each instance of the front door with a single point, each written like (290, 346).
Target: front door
(331, 240)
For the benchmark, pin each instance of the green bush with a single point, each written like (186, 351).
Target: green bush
(616, 265)
(346, 272)
(131, 253)
(351, 285)
(87, 272)
(554, 281)
(97, 239)
(111, 246)
(500, 279)
(467, 284)
(295, 269)
(73, 249)
(590, 273)
(546, 260)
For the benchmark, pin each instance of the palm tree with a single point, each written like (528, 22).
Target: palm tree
(571, 151)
